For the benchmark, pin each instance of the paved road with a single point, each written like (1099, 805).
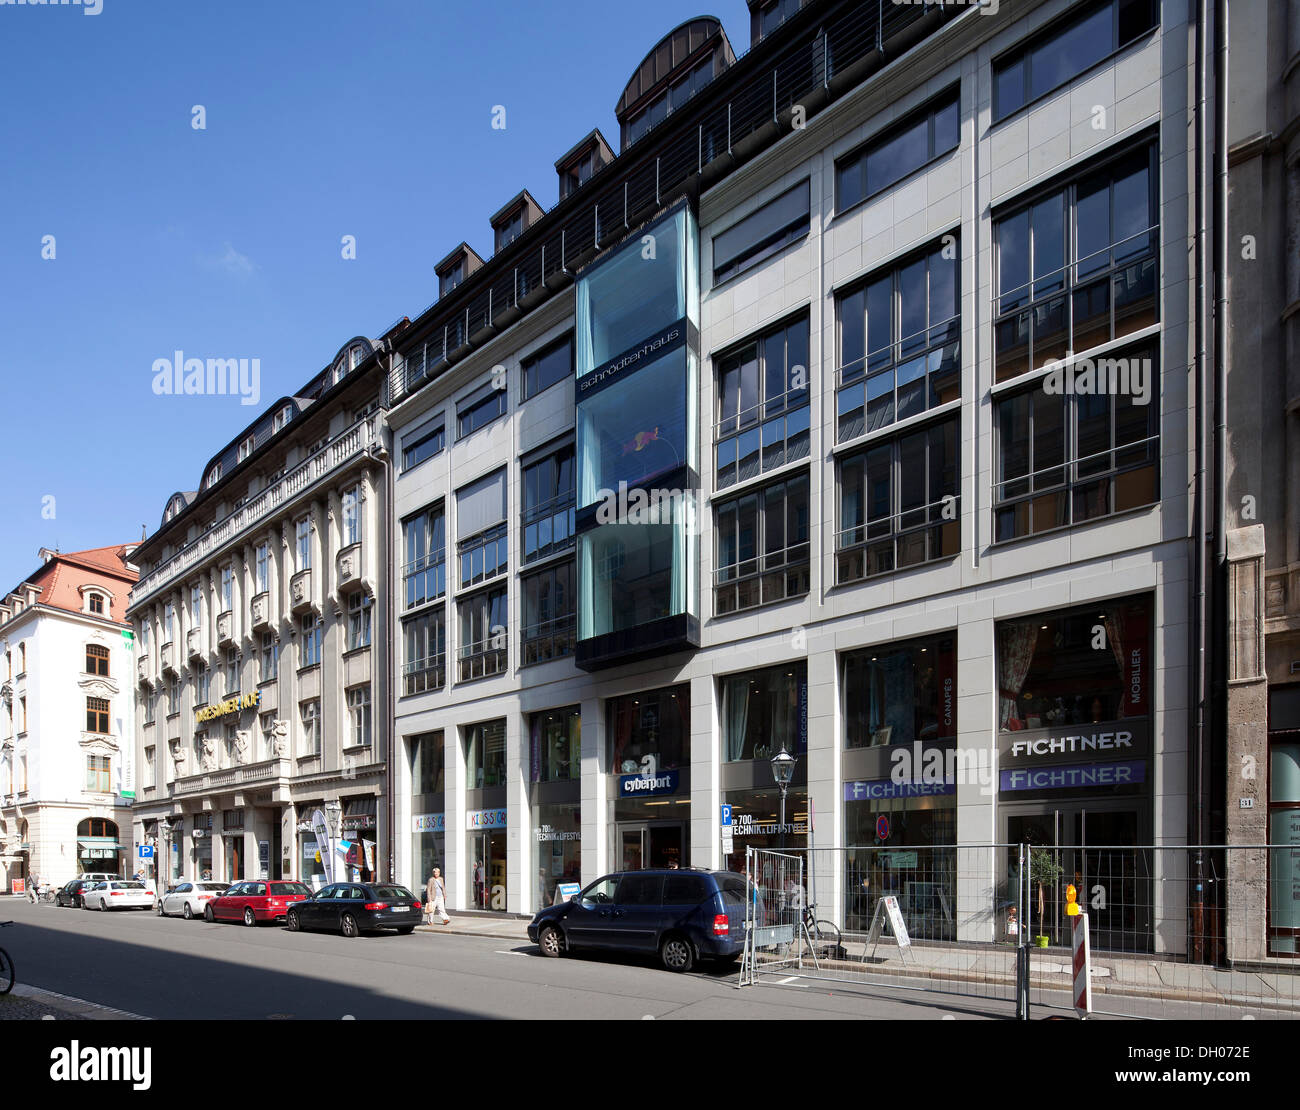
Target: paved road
(169, 968)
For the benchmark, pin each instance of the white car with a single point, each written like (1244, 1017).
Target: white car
(188, 898)
(117, 895)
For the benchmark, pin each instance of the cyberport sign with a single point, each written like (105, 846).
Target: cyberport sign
(231, 705)
(640, 786)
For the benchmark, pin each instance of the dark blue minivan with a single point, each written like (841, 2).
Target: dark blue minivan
(682, 916)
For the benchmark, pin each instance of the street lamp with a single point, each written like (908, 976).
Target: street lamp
(783, 771)
(334, 818)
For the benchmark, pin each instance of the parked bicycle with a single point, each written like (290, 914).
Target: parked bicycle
(6, 965)
(819, 938)
(49, 892)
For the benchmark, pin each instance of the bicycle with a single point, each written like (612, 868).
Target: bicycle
(49, 893)
(819, 938)
(6, 965)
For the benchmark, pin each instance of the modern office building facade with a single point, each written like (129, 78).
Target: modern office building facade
(260, 621)
(67, 718)
(855, 423)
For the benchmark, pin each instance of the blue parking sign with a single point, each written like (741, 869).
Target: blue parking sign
(726, 815)
(145, 851)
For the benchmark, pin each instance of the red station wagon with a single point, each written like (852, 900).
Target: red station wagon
(257, 900)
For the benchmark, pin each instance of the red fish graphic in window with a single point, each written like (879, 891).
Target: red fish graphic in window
(641, 440)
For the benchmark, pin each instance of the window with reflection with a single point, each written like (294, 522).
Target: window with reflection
(928, 133)
(650, 731)
(763, 553)
(900, 342)
(900, 693)
(899, 503)
(1077, 266)
(763, 404)
(1066, 458)
(485, 754)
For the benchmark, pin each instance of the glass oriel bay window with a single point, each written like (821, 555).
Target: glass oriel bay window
(637, 364)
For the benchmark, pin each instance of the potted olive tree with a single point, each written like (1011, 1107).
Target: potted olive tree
(1044, 873)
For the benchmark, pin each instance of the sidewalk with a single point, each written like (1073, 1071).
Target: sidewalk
(511, 929)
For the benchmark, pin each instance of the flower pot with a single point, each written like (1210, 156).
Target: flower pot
(1040, 942)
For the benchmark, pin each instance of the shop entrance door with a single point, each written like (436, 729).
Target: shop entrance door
(657, 844)
(1095, 848)
(487, 852)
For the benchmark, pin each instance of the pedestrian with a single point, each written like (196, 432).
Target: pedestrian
(33, 888)
(435, 893)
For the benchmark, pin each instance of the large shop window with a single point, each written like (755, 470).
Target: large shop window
(636, 431)
(549, 614)
(1077, 267)
(763, 233)
(765, 711)
(555, 745)
(1088, 666)
(484, 644)
(633, 574)
(900, 343)
(485, 754)
(1067, 458)
(631, 296)
(928, 133)
(424, 574)
(762, 547)
(428, 765)
(1284, 831)
(899, 503)
(425, 641)
(484, 542)
(763, 404)
(558, 839)
(650, 731)
(548, 505)
(901, 693)
(1066, 50)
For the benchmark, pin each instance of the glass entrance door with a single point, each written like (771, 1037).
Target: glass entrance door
(1094, 849)
(661, 844)
(487, 851)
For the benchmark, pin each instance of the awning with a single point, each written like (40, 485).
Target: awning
(359, 813)
(97, 842)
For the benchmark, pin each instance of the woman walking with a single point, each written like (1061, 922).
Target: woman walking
(435, 893)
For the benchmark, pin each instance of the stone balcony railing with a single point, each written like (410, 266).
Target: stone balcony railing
(243, 775)
(194, 642)
(329, 458)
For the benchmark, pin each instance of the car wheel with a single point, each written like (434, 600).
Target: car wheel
(208, 915)
(405, 930)
(676, 954)
(348, 926)
(103, 907)
(187, 913)
(250, 918)
(550, 941)
(158, 909)
(291, 922)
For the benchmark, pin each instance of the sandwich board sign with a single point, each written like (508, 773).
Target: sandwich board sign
(887, 908)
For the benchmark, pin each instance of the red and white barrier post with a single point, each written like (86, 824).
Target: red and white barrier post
(1082, 967)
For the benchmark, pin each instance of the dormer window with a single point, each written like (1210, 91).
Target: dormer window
(245, 448)
(214, 476)
(452, 278)
(282, 417)
(510, 230)
(95, 603)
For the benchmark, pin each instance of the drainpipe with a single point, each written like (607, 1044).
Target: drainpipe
(389, 698)
(1198, 645)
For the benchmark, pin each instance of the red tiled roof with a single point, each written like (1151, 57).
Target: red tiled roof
(63, 578)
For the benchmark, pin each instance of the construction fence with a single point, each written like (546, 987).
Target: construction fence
(1185, 932)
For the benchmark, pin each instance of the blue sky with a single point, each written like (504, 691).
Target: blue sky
(324, 119)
